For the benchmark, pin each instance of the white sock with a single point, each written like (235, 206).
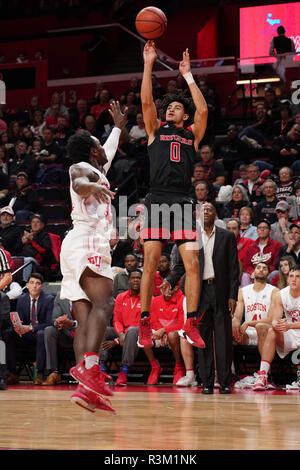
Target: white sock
(190, 373)
(265, 366)
(90, 360)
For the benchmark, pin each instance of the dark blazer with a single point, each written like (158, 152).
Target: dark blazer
(44, 310)
(226, 267)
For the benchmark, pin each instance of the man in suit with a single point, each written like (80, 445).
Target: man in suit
(219, 283)
(60, 333)
(35, 312)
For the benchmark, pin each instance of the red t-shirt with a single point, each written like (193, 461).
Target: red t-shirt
(127, 311)
(168, 315)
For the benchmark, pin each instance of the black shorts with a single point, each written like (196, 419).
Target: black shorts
(169, 216)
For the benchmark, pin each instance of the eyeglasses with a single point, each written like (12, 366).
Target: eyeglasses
(263, 228)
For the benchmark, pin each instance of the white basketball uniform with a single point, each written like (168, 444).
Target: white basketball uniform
(256, 307)
(87, 244)
(291, 308)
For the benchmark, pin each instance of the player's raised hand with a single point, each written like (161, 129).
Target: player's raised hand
(101, 193)
(120, 119)
(185, 64)
(149, 54)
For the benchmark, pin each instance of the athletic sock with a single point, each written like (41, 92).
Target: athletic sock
(190, 373)
(90, 359)
(145, 315)
(265, 366)
(124, 369)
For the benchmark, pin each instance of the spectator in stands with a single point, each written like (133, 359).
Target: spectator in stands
(135, 87)
(36, 245)
(247, 229)
(285, 264)
(259, 133)
(119, 249)
(4, 179)
(164, 269)
(19, 160)
(253, 184)
(239, 199)
(284, 335)
(126, 317)
(103, 105)
(39, 55)
(285, 185)
(23, 200)
(157, 89)
(138, 131)
(280, 228)
(9, 231)
(124, 160)
(89, 123)
(254, 302)
(56, 98)
(34, 106)
(264, 249)
(60, 334)
(78, 114)
(51, 119)
(281, 45)
(272, 104)
(38, 123)
(204, 192)
(21, 57)
(292, 247)
(27, 136)
(121, 280)
(35, 311)
(214, 171)
(234, 226)
(266, 208)
(50, 146)
(286, 149)
(231, 151)
(167, 318)
(286, 121)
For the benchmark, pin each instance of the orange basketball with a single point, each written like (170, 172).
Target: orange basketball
(151, 22)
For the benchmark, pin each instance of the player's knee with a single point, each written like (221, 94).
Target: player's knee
(173, 337)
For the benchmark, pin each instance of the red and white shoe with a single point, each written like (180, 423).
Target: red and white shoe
(261, 382)
(145, 334)
(122, 379)
(154, 374)
(191, 333)
(90, 401)
(91, 379)
(179, 372)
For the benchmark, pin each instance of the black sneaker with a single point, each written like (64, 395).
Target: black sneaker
(3, 384)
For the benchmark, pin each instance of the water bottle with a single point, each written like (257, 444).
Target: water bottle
(34, 371)
(298, 375)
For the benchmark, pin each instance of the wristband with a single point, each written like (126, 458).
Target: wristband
(188, 78)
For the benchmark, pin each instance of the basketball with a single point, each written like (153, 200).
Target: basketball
(151, 22)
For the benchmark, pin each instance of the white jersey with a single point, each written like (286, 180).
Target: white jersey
(88, 211)
(291, 305)
(257, 303)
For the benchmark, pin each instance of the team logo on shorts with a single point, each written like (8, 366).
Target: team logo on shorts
(95, 260)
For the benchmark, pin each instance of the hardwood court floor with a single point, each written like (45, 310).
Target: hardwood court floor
(148, 418)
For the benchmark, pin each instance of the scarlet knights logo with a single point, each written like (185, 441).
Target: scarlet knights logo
(95, 260)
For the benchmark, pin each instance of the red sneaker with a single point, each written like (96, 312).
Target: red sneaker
(154, 374)
(179, 371)
(261, 382)
(122, 379)
(90, 401)
(145, 334)
(191, 333)
(91, 379)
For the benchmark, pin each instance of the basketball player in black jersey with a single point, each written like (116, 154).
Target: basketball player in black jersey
(171, 146)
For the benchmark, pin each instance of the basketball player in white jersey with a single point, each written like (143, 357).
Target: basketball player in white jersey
(254, 301)
(85, 257)
(284, 334)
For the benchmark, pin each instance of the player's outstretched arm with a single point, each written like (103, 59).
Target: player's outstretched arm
(200, 118)
(84, 183)
(111, 145)
(148, 105)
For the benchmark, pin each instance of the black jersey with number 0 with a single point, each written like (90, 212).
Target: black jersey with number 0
(172, 156)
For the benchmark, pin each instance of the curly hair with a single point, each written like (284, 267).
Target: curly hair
(79, 146)
(188, 105)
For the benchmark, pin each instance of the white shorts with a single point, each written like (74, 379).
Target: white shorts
(252, 335)
(291, 342)
(82, 249)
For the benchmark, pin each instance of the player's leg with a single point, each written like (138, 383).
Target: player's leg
(99, 290)
(262, 331)
(174, 343)
(269, 349)
(152, 253)
(189, 252)
(188, 357)
(156, 369)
